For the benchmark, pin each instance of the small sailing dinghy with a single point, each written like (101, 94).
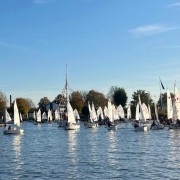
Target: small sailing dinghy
(71, 121)
(16, 127)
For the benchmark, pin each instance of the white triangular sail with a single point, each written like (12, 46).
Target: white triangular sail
(120, 111)
(16, 115)
(137, 112)
(57, 115)
(145, 110)
(7, 116)
(110, 111)
(142, 117)
(49, 115)
(70, 113)
(44, 116)
(93, 111)
(39, 116)
(20, 116)
(76, 114)
(129, 112)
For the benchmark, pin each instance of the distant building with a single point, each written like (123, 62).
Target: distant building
(54, 106)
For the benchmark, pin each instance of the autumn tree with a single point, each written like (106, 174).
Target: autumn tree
(59, 98)
(3, 103)
(76, 100)
(43, 102)
(23, 105)
(97, 98)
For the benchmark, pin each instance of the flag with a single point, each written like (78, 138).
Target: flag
(161, 84)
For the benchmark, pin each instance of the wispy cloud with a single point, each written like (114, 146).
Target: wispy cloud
(9, 45)
(174, 5)
(151, 30)
(41, 1)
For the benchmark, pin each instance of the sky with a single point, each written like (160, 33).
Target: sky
(123, 43)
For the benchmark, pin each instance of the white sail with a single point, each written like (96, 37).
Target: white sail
(149, 110)
(129, 112)
(20, 116)
(34, 115)
(39, 116)
(90, 112)
(44, 116)
(177, 100)
(16, 115)
(110, 112)
(76, 114)
(71, 117)
(145, 110)
(120, 111)
(137, 112)
(142, 117)
(100, 113)
(105, 112)
(169, 106)
(93, 111)
(57, 115)
(49, 115)
(7, 116)
(156, 112)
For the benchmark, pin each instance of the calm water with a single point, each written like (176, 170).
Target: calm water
(49, 152)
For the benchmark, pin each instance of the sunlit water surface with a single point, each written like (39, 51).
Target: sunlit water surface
(48, 152)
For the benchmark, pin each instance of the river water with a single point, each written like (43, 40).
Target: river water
(47, 151)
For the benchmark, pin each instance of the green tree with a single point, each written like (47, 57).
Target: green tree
(111, 93)
(120, 97)
(43, 102)
(77, 100)
(23, 105)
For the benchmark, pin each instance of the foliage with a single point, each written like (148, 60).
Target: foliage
(76, 100)
(59, 99)
(3, 103)
(97, 98)
(111, 93)
(43, 102)
(120, 97)
(23, 105)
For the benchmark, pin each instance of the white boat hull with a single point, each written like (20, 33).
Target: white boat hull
(13, 130)
(72, 126)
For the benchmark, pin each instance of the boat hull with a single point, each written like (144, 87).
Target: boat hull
(113, 127)
(141, 128)
(157, 127)
(72, 127)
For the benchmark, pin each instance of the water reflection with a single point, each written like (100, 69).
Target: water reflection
(16, 145)
(72, 156)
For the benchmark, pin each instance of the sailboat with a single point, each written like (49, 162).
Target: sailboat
(8, 119)
(176, 110)
(92, 117)
(37, 118)
(111, 125)
(71, 121)
(156, 125)
(49, 116)
(140, 119)
(16, 127)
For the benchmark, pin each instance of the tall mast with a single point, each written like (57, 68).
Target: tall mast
(66, 86)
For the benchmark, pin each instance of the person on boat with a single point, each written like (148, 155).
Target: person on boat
(153, 124)
(136, 124)
(178, 123)
(9, 127)
(109, 123)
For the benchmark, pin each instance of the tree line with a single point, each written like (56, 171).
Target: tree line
(79, 100)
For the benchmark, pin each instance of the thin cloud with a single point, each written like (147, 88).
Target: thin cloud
(9, 45)
(174, 5)
(151, 29)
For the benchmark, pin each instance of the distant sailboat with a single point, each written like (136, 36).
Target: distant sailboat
(16, 127)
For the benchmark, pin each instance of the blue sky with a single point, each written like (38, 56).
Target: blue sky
(124, 43)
